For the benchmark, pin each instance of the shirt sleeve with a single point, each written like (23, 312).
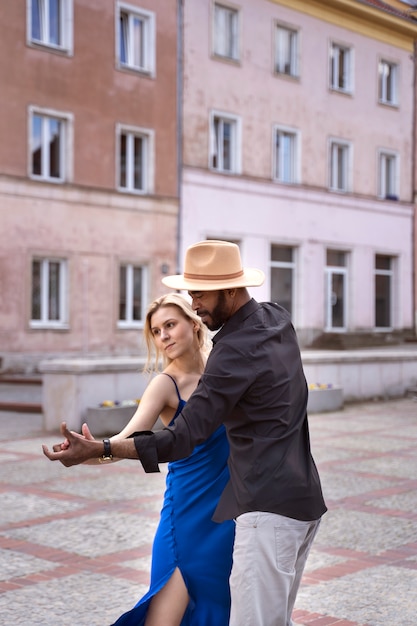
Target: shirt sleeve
(219, 389)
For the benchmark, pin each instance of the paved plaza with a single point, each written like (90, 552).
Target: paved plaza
(75, 543)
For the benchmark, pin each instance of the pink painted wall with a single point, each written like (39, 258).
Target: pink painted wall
(257, 212)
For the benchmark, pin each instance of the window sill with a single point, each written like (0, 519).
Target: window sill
(49, 47)
(130, 325)
(46, 179)
(225, 59)
(48, 326)
(138, 71)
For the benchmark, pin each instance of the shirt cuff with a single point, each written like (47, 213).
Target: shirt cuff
(145, 447)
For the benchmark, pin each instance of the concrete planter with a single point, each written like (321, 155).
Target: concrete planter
(324, 400)
(107, 421)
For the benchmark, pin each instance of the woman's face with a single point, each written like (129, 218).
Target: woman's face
(173, 333)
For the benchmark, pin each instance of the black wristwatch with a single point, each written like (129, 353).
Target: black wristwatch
(107, 456)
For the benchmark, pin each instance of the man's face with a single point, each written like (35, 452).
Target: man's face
(212, 306)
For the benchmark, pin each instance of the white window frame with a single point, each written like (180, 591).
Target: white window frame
(65, 145)
(147, 62)
(148, 159)
(388, 174)
(286, 59)
(388, 82)
(226, 35)
(391, 275)
(45, 322)
(335, 145)
(286, 164)
(235, 142)
(329, 272)
(129, 322)
(66, 25)
(335, 50)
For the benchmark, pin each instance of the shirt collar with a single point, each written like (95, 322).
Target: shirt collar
(236, 319)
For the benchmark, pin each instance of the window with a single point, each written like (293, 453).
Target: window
(50, 23)
(336, 290)
(226, 32)
(50, 145)
(132, 295)
(340, 68)
(387, 82)
(339, 165)
(383, 291)
(224, 143)
(135, 38)
(135, 160)
(285, 155)
(282, 276)
(388, 175)
(49, 285)
(286, 51)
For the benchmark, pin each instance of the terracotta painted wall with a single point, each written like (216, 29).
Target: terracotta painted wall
(85, 220)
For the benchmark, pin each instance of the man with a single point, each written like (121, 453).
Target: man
(253, 383)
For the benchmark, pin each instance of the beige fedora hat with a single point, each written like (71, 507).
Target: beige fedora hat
(211, 265)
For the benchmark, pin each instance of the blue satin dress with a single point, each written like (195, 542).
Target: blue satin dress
(187, 538)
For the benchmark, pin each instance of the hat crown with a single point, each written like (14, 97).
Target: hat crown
(211, 258)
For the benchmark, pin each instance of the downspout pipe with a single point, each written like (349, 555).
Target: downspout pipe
(414, 191)
(180, 84)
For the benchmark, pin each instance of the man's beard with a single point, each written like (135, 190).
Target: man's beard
(219, 315)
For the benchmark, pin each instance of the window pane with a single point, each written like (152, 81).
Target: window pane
(36, 290)
(382, 262)
(337, 301)
(123, 34)
(54, 148)
(281, 287)
(382, 301)
(227, 147)
(336, 258)
(123, 158)
(282, 253)
(138, 42)
(216, 143)
(122, 295)
(36, 20)
(341, 69)
(138, 161)
(54, 290)
(55, 22)
(225, 31)
(37, 145)
(137, 293)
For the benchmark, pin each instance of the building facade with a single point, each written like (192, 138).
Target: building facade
(299, 145)
(88, 173)
(131, 129)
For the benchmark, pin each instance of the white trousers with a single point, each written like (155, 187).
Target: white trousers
(269, 556)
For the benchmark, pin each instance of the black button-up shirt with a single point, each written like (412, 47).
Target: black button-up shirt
(253, 383)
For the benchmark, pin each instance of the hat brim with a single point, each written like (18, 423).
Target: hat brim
(250, 278)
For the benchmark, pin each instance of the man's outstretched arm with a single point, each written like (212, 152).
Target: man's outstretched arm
(76, 449)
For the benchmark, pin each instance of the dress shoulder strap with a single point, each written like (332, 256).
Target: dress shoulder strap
(176, 386)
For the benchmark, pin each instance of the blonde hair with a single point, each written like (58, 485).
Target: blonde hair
(155, 358)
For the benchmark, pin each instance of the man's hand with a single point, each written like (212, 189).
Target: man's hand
(75, 448)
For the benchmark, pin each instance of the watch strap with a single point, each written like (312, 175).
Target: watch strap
(107, 456)
(107, 448)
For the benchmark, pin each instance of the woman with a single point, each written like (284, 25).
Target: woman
(191, 556)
